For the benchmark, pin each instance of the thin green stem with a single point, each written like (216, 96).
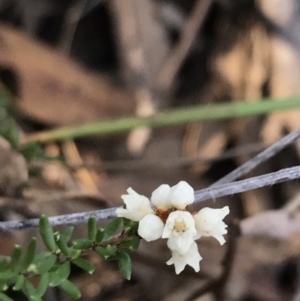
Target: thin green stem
(171, 117)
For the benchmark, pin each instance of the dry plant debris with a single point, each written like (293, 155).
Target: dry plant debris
(216, 50)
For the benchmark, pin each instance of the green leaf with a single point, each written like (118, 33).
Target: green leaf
(92, 228)
(15, 258)
(31, 150)
(129, 225)
(112, 228)
(47, 234)
(107, 253)
(43, 285)
(70, 289)
(7, 276)
(132, 244)
(85, 265)
(10, 132)
(124, 264)
(61, 274)
(82, 244)
(29, 255)
(19, 283)
(42, 263)
(5, 99)
(62, 244)
(29, 290)
(99, 234)
(67, 234)
(3, 287)
(75, 254)
(4, 297)
(3, 264)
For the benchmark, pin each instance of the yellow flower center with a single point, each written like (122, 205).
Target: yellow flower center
(180, 226)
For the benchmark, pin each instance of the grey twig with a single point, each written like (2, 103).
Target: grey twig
(260, 158)
(200, 195)
(282, 175)
(59, 220)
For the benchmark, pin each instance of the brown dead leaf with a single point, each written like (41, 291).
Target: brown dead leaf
(273, 223)
(245, 67)
(285, 75)
(53, 89)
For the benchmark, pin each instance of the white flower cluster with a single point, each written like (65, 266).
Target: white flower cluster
(167, 217)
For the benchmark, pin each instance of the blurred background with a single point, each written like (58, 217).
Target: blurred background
(66, 63)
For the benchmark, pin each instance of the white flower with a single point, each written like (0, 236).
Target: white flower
(178, 196)
(180, 229)
(137, 206)
(209, 222)
(181, 195)
(170, 219)
(150, 227)
(191, 258)
(160, 197)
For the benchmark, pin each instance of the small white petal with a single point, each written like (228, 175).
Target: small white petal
(182, 195)
(167, 230)
(209, 222)
(160, 197)
(130, 191)
(132, 201)
(121, 212)
(220, 238)
(191, 258)
(150, 227)
(179, 223)
(137, 206)
(180, 244)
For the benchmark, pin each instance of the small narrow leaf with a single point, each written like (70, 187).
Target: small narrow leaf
(67, 234)
(28, 289)
(4, 297)
(112, 228)
(47, 234)
(31, 150)
(129, 225)
(126, 222)
(85, 265)
(19, 283)
(99, 234)
(3, 287)
(132, 244)
(29, 255)
(15, 258)
(43, 263)
(70, 289)
(112, 249)
(108, 252)
(61, 274)
(75, 254)
(62, 244)
(124, 264)
(3, 264)
(12, 134)
(82, 244)
(7, 276)
(103, 252)
(43, 285)
(92, 228)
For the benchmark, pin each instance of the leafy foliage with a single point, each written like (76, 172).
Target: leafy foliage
(53, 267)
(9, 131)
